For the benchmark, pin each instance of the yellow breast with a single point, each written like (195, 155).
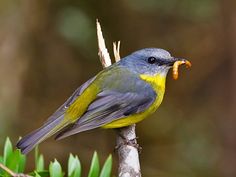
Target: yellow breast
(158, 84)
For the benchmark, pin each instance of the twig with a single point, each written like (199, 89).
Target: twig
(102, 50)
(129, 165)
(116, 51)
(11, 173)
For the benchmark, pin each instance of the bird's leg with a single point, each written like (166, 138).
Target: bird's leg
(129, 142)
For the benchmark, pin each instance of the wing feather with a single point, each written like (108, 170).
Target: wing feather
(61, 110)
(110, 106)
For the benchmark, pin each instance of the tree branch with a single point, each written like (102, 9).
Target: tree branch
(11, 173)
(129, 165)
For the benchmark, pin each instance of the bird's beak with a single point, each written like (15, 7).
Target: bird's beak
(173, 60)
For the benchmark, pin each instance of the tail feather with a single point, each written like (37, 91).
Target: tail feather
(28, 142)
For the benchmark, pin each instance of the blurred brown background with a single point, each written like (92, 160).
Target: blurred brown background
(49, 48)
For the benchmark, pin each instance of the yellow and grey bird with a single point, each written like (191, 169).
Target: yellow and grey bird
(123, 94)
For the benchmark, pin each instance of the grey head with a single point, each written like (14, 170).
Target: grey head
(150, 61)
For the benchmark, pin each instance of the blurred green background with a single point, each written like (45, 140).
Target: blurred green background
(49, 48)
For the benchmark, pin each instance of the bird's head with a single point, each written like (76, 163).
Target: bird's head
(150, 61)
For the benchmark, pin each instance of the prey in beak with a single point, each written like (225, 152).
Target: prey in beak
(176, 65)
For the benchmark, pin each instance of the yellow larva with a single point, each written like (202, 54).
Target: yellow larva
(176, 67)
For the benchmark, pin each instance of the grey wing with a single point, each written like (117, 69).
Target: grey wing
(61, 110)
(110, 106)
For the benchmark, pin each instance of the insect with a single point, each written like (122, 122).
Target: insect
(176, 67)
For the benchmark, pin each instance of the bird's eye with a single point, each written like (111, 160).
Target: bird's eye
(152, 60)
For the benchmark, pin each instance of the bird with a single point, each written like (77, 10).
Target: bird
(120, 95)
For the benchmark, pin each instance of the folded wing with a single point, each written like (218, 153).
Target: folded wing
(110, 106)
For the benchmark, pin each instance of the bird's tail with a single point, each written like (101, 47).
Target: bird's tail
(28, 142)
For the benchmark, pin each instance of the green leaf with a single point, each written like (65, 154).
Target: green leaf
(7, 151)
(71, 165)
(76, 173)
(40, 173)
(36, 174)
(106, 169)
(21, 161)
(94, 168)
(16, 162)
(1, 161)
(78, 169)
(39, 160)
(55, 169)
(44, 173)
(74, 166)
(40, 163)
(36, 155)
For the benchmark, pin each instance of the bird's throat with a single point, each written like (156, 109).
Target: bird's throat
(157, 82)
